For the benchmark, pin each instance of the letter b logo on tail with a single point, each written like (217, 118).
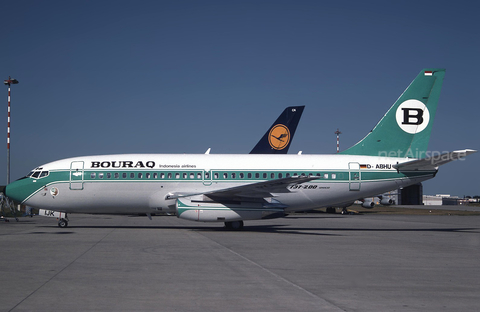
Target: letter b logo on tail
(412, 119)
(412, 116)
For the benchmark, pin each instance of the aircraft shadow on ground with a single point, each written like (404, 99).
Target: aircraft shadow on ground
(274, 229)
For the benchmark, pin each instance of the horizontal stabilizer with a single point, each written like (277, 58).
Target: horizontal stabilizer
(432, 162)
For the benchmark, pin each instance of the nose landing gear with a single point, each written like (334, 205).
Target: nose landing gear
(63, 222)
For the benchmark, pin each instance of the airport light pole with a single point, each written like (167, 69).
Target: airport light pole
(338, 139)
(9, 82)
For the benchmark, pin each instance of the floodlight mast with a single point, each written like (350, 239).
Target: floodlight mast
(338, 139)
(9, 82)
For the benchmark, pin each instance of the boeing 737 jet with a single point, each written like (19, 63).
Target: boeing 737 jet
(233, 188)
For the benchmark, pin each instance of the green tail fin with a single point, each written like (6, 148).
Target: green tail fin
(405, 129)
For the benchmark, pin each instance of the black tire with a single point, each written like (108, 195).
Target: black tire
(234, 225)
(63, 223)
(237, 225)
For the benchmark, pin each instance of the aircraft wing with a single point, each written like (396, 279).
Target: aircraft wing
(254, 191)
(432, 163)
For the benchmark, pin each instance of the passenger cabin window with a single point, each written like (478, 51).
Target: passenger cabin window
(280, 175)
(155, 175)
(249, 175)
(93, 175)
(140, 175)
(116, 175)
(272, 175)
(234, 175)
(242, 175)
(147, 175)
(132, 175)
(257, 175)
(109, 175)
(225, 175)
(334, 176)
(124, 175)
(264, 175)
(215, 176)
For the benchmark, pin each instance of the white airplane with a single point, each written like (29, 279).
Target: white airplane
(276, 140)
(233, 188)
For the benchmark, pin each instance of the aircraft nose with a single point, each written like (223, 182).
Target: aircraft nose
(15, 191)
(5, 191)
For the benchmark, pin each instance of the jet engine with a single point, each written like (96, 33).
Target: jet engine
(386, 201)
(368, 204)
(218, 212)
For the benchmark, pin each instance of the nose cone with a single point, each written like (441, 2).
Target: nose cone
(18, 190)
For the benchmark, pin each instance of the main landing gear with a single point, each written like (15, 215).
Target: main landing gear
(234, 225)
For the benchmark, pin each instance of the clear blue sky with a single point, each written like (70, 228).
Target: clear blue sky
(101, 77)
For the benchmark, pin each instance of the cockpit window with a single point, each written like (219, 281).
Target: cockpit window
(37, 174)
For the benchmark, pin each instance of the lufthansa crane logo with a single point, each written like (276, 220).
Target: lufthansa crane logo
(279, 137)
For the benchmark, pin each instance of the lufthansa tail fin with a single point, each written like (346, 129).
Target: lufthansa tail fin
(279, 136)
(405, 129)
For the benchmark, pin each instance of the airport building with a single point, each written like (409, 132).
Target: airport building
(445, 199)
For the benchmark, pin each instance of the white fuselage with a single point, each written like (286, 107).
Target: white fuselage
(141, 183)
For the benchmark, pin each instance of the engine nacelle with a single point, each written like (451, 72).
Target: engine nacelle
(368, 204)
(216, 212)
(386, 201)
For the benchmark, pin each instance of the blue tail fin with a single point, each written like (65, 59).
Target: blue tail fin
(278, 137)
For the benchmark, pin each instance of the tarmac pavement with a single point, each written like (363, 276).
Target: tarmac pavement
(305, 262)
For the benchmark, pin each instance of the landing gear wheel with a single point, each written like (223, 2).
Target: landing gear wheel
(63, 223)
(234, 225)
(330, 210)
(345, 211)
